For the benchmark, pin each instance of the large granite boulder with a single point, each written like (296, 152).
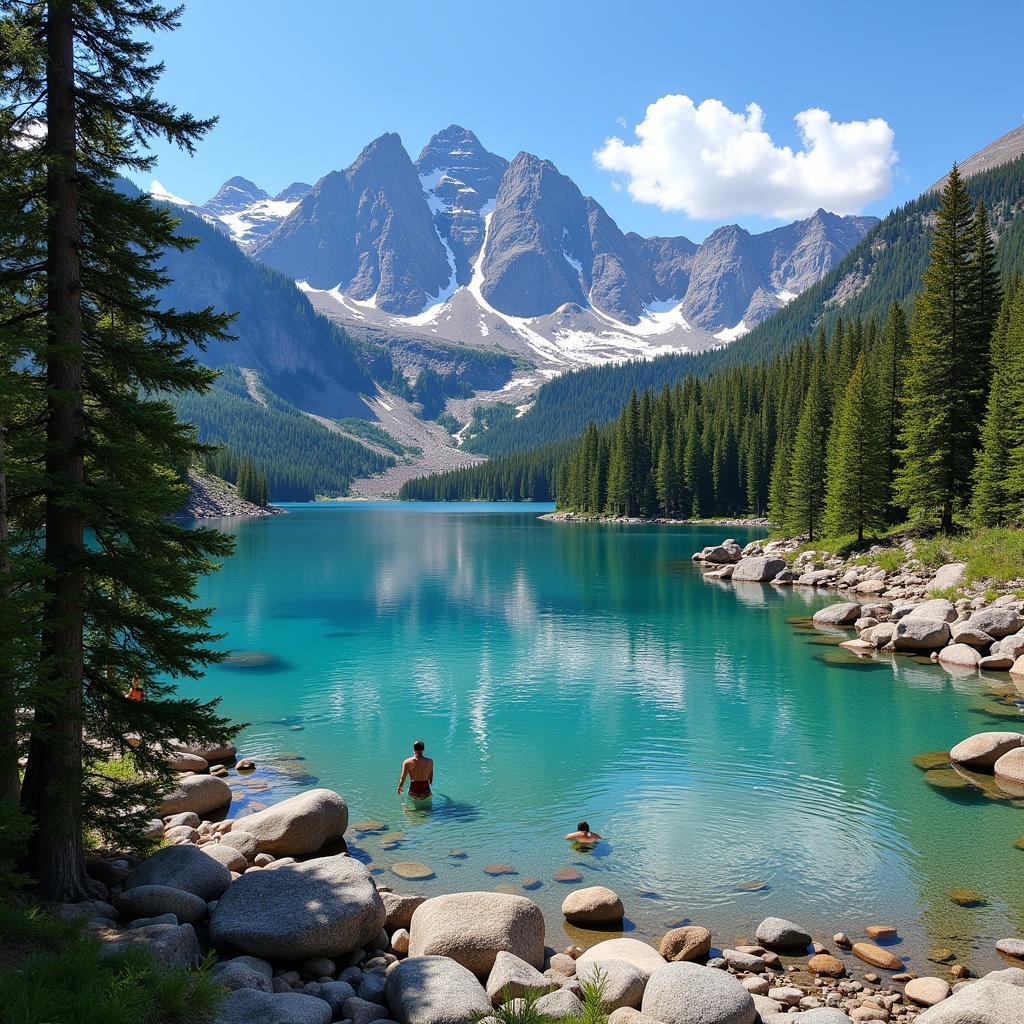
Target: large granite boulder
(594, 905)
(983, 749)
(917, 633)
(435, 990)
(622, 983)
(181, 867)
(843, 614)
(633, 951)
(210, 752)
(171, 945)
(981, 1002)
(197, 793)
(997, 622)
(248, 1006)
(154, 900)
(560, 1005)
(235, 974)
(936, 608)
(472, 927)
(687, 993)
(758, 570)
(960, 656)
(778, 933)
(953, 574)
(299, 825)
(323, 907)
(1009, 769)
(513, 978)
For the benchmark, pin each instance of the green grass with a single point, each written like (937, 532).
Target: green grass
(995, 553)
(524, 1010)
(52, 972)
(889, 559)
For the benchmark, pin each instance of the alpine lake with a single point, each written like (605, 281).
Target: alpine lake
(738, 763)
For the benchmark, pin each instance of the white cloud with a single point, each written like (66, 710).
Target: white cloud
(709, 161)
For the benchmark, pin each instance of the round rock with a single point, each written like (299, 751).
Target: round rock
(248, 1006)
(1010, 767)
(472, 927)
(983, 749)
(181, 867)
(594, 905)
(691, 942)
(877, 957)
(435, 990)
(298, 825)
(687, 993)
(153, 900)
(323, 907)
(623, 983)
(927, 991)
(843, 614)
(779, 933)
(197, 793)
(633, 951)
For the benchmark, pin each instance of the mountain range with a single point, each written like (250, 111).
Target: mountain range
(463, 246)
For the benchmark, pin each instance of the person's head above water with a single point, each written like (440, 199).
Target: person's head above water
(419, 746)
(583, 827)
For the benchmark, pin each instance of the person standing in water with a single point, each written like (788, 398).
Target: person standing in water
(419, 770)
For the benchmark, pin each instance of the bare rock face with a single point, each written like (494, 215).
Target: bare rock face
(299, 825)
(328, 906)
(368, 229)
(473, 927)
(460, 179)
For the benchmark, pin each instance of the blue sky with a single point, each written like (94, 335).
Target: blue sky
(301, 87)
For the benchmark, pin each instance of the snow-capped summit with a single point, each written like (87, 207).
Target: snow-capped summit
(234, 195)
(246, 212)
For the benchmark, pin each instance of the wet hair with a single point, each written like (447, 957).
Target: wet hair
(419, 746)
(583, 827)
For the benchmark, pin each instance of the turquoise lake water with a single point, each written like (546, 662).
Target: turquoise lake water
(738, 763)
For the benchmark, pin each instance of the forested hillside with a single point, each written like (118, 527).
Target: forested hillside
(521, 476)
(886, 267)
(872, 421)
(299, 458)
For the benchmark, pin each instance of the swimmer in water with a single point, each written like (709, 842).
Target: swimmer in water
(583, 835)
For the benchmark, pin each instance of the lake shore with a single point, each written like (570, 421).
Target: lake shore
(575, 517)
(289, 854)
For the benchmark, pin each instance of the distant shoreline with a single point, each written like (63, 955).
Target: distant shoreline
(574, 517)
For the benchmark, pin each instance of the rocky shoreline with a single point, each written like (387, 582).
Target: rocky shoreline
(306, 934)
(213, 498)
(898, 610)
(576, 517)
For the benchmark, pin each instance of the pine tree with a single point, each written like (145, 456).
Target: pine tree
(945, 375)
(857, 463)
(83, 278)
(892, 359)
(807, 473)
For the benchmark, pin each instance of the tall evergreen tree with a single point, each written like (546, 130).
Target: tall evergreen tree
(808, 469)
(857, 494)
(891, 361)
(83, 279)
(945, 375)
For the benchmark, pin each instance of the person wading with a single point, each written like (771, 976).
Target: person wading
(419, 770)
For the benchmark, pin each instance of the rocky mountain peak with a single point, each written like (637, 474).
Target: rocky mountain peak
(293, 193)
(460, 179)
(235, 194)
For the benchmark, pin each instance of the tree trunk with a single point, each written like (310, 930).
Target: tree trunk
(10, 784)
(52, 791)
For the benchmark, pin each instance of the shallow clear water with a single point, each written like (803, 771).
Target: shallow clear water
(740, 765)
